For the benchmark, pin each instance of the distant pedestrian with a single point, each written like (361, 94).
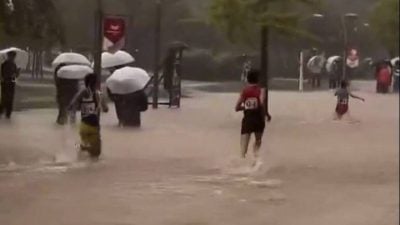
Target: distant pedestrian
(383, 77)
(343, 95)
(334, 68)
(66, 89)
(9, 74)
(315, 66)
(246, 69)
(129, 107)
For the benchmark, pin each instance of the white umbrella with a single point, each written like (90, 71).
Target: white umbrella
(393, 61)
(316, 63)
(119, 58)
(127, 80)
(22, 56)
(330, 61)
(74, 72)
(70, 58)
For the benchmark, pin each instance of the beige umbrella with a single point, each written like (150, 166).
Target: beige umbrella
(120, 58)
(70, 58)
(22, 56)
(74, 72)
(127, 80)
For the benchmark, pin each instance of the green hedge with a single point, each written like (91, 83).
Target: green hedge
(203, 65)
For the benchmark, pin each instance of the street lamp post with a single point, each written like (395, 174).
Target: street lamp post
(157, 52)
(344, 19)
(264, 67)
(98, 41)
(302, 58)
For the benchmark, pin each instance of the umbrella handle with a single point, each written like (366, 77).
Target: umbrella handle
(148, 83)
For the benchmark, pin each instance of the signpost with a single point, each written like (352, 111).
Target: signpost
(176, 90)
(264, 67)
(353, 60)
(301, 74)
(114, 34)
(345, 18)
(157, 52)
(98, 42)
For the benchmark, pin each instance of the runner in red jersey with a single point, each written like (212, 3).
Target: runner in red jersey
(251, 102)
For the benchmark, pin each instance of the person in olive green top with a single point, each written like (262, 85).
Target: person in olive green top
(90, 103)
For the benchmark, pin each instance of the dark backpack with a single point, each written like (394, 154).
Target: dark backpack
(143, 101)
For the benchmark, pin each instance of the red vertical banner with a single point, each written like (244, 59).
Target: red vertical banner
(353, 59)
(114, 34)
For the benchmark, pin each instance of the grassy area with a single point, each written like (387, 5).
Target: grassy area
(34, 96)
(275, 84)
(41, 93)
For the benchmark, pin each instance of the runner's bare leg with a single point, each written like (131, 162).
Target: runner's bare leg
(244, 142)
(256, 149)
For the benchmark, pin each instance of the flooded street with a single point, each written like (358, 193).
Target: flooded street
(182, 166)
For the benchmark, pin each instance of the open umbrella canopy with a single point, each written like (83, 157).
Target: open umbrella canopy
(394, 60)
(316, 63)
(22, 56)
(120, 58)
(70, 58)
(179, 45)
(127, 80)
(74, 72)
(331, 60)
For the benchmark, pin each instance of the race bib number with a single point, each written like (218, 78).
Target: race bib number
(89, 109)
(251, 103)
(344, 101)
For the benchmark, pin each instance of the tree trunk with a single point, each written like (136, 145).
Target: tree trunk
(98, 44)
(157, 53)
(41, 65)
(264, 67)
(37, 68)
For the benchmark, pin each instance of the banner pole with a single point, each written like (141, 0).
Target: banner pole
(301, 75)
(157, 52)
(98, 42)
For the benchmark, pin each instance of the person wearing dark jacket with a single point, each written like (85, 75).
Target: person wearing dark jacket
(9, 73)
(129, 107)
(168, 73)
(336, 74)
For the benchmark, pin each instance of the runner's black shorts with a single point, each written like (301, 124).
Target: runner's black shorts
(253, 124)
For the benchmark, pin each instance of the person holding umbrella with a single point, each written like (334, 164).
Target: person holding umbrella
(315, 66)
(126, 88)
(113, 62)
(9, 73)
(70, 68)
(91, 104)
(68, 79)
(66, 90)
(333, 69)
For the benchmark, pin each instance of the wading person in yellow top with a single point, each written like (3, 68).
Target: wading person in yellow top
(90, 103)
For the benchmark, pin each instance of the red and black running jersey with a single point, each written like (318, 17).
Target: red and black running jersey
(251, 96)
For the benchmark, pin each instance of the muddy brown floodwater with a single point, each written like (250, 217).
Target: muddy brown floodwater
(181, 167)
